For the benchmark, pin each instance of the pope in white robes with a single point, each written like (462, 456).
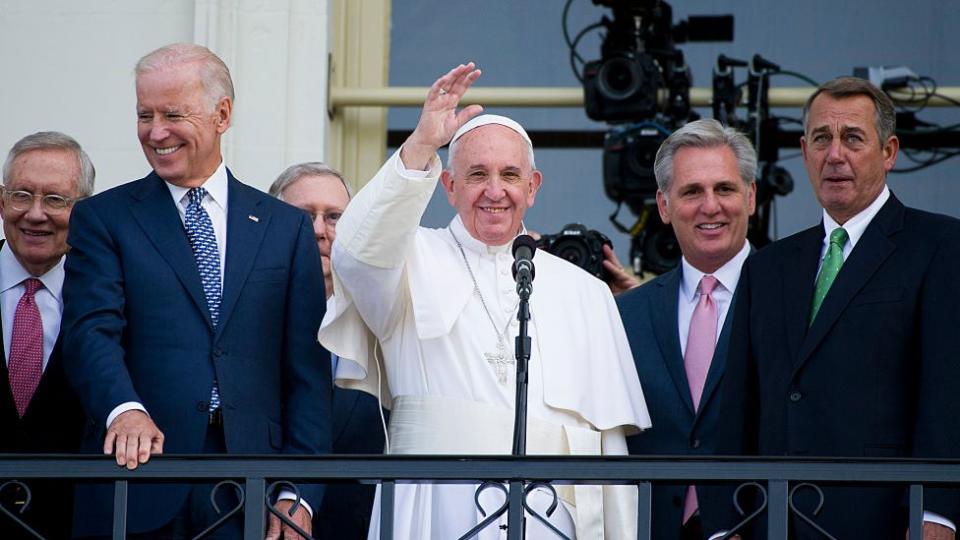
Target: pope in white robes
(425, 319)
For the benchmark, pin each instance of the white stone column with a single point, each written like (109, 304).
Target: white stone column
(278, 55)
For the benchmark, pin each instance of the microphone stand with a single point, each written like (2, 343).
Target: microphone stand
(522, 346)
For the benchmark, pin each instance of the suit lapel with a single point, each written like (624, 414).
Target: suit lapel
(247, 222)
(663, 313)
(873, 248)
(158, 216)
(798, 275)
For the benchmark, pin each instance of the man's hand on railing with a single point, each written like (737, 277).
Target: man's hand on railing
(133, 437)
(301, 517)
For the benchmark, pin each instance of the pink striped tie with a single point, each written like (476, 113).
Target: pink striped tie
(701, 341)
(26, 347)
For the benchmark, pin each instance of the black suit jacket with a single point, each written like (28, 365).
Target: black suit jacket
(874, 376)
(357, 429)
(52, 425)
(650, 318)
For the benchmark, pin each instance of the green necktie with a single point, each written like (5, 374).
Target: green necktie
(831, 267)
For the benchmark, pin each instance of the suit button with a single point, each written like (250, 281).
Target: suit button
(695, 444)
(217, 353)
(795, 396)
(203, 406)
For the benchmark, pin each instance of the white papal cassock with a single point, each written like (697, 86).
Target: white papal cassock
(408, 288)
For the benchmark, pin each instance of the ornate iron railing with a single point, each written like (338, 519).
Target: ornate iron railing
(257, 477)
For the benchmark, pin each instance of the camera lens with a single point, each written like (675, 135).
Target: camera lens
(618, 78)
(573, 250)
(641, 158)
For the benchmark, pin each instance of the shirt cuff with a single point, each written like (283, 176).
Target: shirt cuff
(716, 535)
(124, 407)
(291, 496)
(939, 520)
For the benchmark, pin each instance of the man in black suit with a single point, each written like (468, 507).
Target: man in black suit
(706, 192)
(323, 194)
(39, 413)
(844, 341)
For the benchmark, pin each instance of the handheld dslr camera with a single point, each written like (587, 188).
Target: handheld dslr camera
(579, 245)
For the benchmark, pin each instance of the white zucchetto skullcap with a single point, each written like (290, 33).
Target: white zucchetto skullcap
(485, 119)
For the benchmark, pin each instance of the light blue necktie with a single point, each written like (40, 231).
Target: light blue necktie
(204, 245)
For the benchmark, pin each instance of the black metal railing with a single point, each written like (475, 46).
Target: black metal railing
(257, 477)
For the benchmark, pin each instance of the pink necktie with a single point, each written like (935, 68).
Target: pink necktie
(701, 341)
(26, 347)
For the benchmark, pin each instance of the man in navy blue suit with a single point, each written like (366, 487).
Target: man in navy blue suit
(323, 194)
(845, 339)
(192, 308)
(678, 326)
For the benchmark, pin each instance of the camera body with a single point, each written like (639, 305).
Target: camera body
(628, 157)
(579, 245)
(621, 87)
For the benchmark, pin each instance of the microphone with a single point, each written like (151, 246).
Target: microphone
(524, 248)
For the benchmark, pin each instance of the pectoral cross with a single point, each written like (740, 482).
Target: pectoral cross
(499, 361)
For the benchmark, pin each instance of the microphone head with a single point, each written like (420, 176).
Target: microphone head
(525, 241)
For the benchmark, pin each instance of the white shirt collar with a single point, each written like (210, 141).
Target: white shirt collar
(856, 225)
(728, 275)
(12, 273)
(470, 243)
(216, 187)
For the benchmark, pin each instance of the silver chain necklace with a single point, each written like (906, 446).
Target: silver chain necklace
(503, 358)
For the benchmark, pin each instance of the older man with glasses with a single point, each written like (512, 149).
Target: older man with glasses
(43, 175)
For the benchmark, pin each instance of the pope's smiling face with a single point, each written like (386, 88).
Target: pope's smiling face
(491, 182)
(178, 129)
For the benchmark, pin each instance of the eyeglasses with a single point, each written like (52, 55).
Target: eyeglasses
(50, 202)
(330, 218)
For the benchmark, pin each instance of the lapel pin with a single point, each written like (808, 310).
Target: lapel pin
(254, 219)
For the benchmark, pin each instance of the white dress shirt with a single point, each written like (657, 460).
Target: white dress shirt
(49, 300)
(854, 226)
(689, 295)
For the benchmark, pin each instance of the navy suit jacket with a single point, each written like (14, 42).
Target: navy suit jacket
(357, 429)
(874, 376)
(136, 328)
(649, 315)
